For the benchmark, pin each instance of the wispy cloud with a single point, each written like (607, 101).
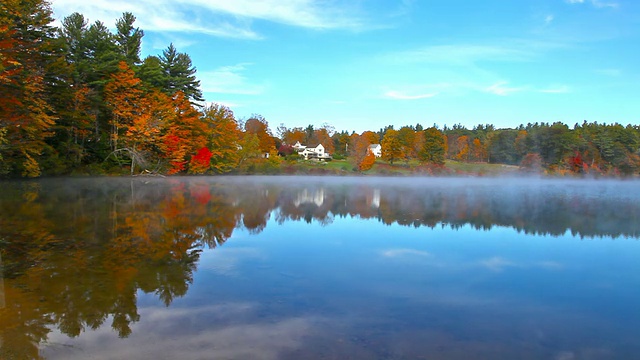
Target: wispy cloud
(461, 54)
(160, 16)
(229, 80)
(596, 3)
(403, 96)
(604, 4)
(497, 263)
(501, 88)
(499, 50)
(404, 252)
(302, 13)
(548, 19)
(221, 18)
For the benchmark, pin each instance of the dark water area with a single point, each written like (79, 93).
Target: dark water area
(319, 268)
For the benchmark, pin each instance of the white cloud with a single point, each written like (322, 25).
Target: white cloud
(548, 19)
(604, 4)
(221, 18)
(501, 89)
(596, 3)
(504, 50)
(402, 96)
(461, 54)
(229, 80)
(497, 263)
(404, 252)
(203, 333)
(303, 13)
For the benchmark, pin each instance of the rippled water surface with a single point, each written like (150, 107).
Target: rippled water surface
(319, 268)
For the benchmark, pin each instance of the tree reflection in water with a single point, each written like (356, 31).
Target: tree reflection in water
(75, 252)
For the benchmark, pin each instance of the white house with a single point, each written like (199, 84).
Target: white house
(298, 147)
(376, 149)
(316, 152)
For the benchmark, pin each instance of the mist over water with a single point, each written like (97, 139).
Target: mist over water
(319, 267)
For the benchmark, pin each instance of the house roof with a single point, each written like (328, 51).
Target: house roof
(314, 145)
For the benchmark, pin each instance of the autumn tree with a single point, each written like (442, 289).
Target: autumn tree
(407, 137)
(25, 52)
(367, 162)
(185, 136)
(359, 150)
(223, 138)
(433, 149)
(371, 137)
(478, 151)
(392, 148)
(249, 150)
(259, 126)
(463, 148)
(322, 136)
(123, 95)
(291, 136)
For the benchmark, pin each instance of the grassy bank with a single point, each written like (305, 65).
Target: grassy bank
(384, 168)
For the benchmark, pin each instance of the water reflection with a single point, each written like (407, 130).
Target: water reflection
(75, 254)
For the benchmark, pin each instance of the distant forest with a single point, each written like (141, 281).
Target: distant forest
(79, 100)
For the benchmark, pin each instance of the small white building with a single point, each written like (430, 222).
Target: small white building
(316, 152)
(376, 149)
(298, 147)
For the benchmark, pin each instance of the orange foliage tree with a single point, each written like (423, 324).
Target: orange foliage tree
(367, 162)
(123, 95)
(392, 148)
(463, 148)
(223, 138)
(25, 50)
(259, 126)
(185, 136)
(479, 152)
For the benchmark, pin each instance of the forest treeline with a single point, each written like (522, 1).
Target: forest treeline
(78, 99)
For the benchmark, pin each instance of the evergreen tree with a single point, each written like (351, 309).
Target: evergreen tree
(180, 74)
(151, 73)
(129, 38)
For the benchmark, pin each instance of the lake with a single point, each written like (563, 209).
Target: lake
(319, 268)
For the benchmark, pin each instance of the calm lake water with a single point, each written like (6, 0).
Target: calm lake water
(319, 268)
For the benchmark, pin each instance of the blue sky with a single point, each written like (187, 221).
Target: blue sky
(361, 65)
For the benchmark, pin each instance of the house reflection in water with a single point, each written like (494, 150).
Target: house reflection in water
(373, 198)
(307, 196)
